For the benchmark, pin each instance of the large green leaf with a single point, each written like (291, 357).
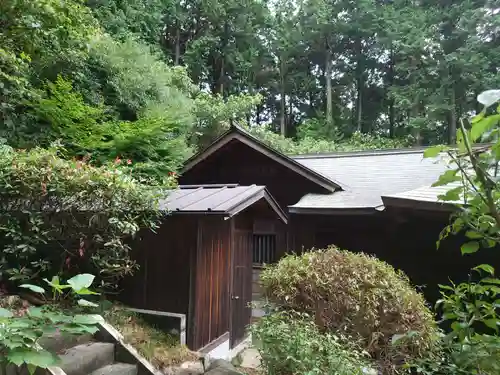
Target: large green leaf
(489, 280)
(469, 247)
(33, 288)
(81, 281)
(36, 312)
(486, 268)
(447, 177)
(38, 358)
(482, 126)
(451, 195)
(492, 323)
(85, 303)
(87, 319)
(86, 291)
(489, 97)
(432, 152)
(55, 283)
(4, 313)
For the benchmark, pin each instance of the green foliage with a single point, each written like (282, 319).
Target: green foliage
(133, 81)
(14, 90)
(318, 128)
(64, 217)
(308, 145)
(142, 18)
(21, 331)
(52, 33)
(355, 296)
(471, 308)
(475, 170)
(473, 345)
(153, 146)
(291, 344)
(62, 114)
(214, 113)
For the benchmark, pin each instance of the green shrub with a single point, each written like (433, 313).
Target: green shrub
(66, 217)
(23, 330)
(472, 345)
(291, 344)
(357, 296)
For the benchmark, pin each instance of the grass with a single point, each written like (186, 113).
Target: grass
(158, 347)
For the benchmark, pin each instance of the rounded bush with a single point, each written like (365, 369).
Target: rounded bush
(357, 296)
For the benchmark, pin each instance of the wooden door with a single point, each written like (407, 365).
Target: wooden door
(241, 291)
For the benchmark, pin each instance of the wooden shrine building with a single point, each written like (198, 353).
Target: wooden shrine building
(242, 204)
(199, 263)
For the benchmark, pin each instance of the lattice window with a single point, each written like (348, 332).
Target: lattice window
(264, 248)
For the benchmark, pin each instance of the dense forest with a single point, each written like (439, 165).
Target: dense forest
(151, 81)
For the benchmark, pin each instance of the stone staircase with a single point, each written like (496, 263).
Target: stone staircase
(94, 358)
(85, 355)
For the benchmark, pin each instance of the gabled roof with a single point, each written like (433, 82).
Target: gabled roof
(237, 133)
(228, 200)
(367, 176)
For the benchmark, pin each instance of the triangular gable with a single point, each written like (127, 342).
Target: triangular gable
(236, 133)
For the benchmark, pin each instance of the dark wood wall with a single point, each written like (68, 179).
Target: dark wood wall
(191, 266)
(406, 240)
(238, 163)
(162, 281)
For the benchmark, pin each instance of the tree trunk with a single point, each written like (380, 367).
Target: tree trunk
(282, 99)
(452, 126)
(328, 80)
(392, 113)
(258, 110)
(416, 100)
(177, 58)
(221, 77)
(310, 93)
(359, 105)
(359, 85)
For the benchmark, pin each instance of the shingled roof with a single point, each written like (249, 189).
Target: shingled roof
(227, 200)
(353, 181)
(367, 176)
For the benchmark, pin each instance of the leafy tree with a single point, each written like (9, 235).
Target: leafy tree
(142, 18)
(15, 89)
(52, 33)
(471, 307)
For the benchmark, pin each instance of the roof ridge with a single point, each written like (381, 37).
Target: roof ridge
(372, 152)
(360, 153)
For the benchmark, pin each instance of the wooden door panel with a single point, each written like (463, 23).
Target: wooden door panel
(241, 291)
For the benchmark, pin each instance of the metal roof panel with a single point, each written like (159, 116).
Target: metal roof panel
(217, 199)
(369, 176)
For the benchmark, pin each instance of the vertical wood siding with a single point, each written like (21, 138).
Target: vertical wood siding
(241, 311)
(212, 281)
(162, 282)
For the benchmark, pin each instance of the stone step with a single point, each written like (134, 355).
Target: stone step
(85, 358)
(58, 342)
(116, 369)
